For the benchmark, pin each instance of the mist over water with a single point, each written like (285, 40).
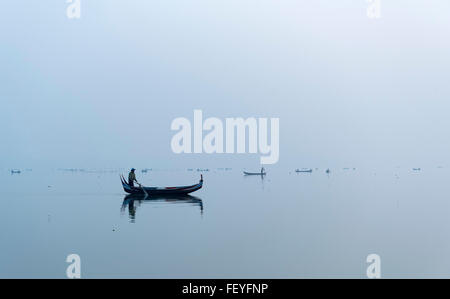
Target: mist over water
(367, 98)
(103, 90)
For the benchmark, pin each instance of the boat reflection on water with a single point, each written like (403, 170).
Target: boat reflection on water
(133, 201)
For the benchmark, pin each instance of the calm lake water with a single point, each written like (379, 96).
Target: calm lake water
(286, 225)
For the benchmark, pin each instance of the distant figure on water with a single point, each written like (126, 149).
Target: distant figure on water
(262, 170)
(132, 178)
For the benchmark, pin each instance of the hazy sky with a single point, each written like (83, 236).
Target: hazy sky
(101, 91)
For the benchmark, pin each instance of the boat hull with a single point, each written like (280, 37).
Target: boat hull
(254, 173)
(181, 190)
(304, 171)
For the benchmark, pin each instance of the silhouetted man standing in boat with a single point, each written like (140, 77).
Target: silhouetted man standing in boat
(132, 178)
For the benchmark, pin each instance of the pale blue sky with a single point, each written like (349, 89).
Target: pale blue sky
(102, 91)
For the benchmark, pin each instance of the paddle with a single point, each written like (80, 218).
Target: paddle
(143, 189)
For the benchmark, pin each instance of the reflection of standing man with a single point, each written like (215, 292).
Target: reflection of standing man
(132, 178)
(131, 208)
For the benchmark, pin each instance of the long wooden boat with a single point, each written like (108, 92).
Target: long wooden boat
(254, 173)
(308, 170)
(181, 190)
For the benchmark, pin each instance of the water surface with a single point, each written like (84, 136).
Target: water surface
(286, 225)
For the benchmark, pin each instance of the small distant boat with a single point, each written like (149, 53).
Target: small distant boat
(254, 173)
(15, 171)
(181, 190)
(309, 170)
(416, 169)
